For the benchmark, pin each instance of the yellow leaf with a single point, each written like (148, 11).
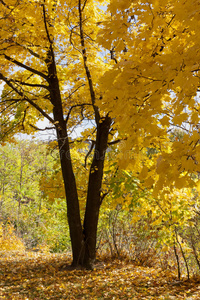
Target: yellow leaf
(165, 121)
(179, 119)
(198, 186)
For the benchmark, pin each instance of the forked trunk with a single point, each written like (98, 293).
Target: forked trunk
(83, 239)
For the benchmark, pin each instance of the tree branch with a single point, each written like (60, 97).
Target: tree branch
(14, 61)
(21, 94)
(9, 130)
(41, 129)
(2, 2)
(45, 24)
(75, 91)
(91, 148)
(103, 196)
(88, 74)
(31, 84)
(84, 4)
(70, 110)
(116, 141)
(11, 104)
(24, 117)
(112, 54)
(29, 50)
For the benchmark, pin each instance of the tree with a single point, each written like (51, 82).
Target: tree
(50, 65)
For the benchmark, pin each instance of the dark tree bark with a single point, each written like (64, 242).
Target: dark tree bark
(73, 211)
(94, 191)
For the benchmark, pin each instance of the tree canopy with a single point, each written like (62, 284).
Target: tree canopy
(153, 87)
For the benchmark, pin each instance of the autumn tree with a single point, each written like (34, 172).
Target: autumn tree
(50, 66)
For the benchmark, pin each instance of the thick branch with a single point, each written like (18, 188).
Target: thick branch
(14, 61)
(41, 129)
(29, 50)
(21, 94)
(31, 84)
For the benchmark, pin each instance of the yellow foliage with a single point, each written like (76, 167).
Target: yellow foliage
(9, 240)
(154, 83)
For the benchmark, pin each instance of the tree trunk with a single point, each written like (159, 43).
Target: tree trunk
(94, 192)
(73, 211)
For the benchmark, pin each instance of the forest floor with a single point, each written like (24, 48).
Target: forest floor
(42, 276)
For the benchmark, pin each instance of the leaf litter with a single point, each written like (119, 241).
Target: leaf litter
(36, 276)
